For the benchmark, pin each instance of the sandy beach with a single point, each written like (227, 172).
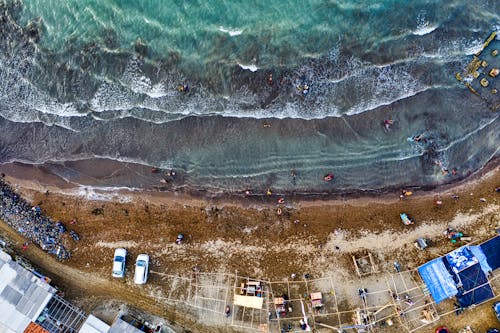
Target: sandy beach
(251, 237)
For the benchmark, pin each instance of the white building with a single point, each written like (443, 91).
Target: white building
(23, 295)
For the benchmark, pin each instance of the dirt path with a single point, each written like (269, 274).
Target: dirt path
(78, 284)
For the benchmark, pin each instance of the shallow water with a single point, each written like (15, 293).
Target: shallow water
(100, 81)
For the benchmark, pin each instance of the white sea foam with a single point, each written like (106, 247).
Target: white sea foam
(134, 94)
(425, 29)
(251, 68)
(157, 90)
(104, 193)
(231, 32)
(59, 109)
(473, 47)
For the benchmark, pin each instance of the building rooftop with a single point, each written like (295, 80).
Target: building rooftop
(94, 325)
(22, 295)
(35, 328)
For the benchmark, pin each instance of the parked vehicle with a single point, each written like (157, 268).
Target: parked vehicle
(119, 263)
(141, 269)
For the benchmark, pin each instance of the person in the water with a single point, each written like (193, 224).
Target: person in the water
(418, 138)
(328, 177)
(183, 88)
(388, 123)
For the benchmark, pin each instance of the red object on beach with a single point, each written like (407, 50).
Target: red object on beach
(442, 329)
(328, 177)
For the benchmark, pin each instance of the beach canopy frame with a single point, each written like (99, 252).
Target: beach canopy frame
(364, 265)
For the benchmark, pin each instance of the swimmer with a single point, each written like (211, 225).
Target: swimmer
(388, 123)
(328, 177)
(305, 89)
(266, 125)
(293, 174)
(270, 79)
(418, 138)
(183, 88)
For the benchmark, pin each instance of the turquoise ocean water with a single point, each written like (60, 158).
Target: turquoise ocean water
(98, 79)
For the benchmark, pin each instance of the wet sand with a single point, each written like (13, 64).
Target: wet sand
(109, 176)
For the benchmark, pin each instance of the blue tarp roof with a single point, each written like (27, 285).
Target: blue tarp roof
(491, 250)
(460, 259)
(475, 286)
(479, 254)
(438, 280)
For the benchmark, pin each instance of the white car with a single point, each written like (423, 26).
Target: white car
(141, 269)
(119, 263)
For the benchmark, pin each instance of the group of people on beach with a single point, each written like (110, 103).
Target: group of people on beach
(30, 222)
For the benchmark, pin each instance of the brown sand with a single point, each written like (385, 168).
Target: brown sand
(315, 237)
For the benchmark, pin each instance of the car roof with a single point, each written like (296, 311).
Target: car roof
(139, 274)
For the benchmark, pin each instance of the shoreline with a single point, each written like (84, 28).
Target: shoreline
(42, 181)
(221, 240)
(223, 233)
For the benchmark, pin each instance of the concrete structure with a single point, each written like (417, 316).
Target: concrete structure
(120, 326)
(23, 296)
(94, 325)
